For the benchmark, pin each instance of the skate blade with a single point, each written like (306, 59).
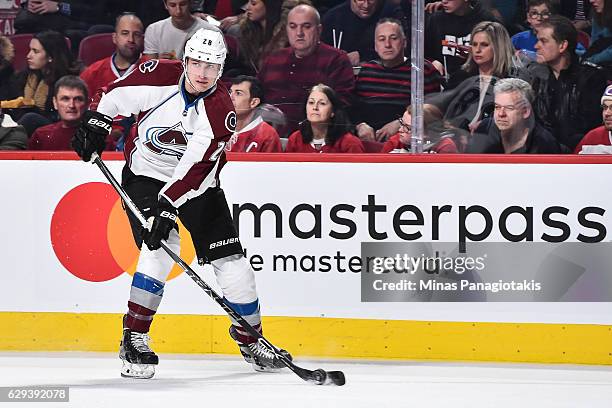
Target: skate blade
(143, 371)
(265, 369)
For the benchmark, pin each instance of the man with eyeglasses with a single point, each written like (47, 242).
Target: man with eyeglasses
(515, 130)
(599, 140)
(537, 11)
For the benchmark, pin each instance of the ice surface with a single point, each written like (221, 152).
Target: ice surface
(227, 382)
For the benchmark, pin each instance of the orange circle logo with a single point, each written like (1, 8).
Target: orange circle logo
(92, 238)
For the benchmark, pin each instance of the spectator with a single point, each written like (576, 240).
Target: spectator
(48, 60)
(252, 133)
(537, 11)
(166, 38)
(514, 130)
(7, 53)
(438, 137)
(255, 32)
(600, 50)
(76, 19)
(567, 92)
(350, 26)
(326, 128)
(288, 74)
(577, 11)
(599, 140)
(449, 29)
(382, 87)
(70, 100)
(491, 58)
(128, 39)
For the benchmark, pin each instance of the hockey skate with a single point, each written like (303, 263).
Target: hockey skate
(139, 360)
(256, 354)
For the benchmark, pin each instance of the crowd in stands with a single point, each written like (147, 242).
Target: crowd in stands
(333, 76)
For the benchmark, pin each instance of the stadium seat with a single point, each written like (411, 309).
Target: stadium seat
(21, 42)
(584, 39)
(95, 47)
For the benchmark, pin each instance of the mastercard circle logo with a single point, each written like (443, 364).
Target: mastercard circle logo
(92, 238)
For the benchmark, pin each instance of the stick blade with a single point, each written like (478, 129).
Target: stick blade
(322, 377)
(335, 378)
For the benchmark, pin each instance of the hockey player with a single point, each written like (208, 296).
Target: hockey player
(172, 169)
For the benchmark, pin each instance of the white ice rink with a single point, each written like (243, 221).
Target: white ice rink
(227, 382)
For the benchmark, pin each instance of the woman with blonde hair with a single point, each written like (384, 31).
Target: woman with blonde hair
(470, 98)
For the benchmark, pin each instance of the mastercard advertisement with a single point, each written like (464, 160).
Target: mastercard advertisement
(94, 241)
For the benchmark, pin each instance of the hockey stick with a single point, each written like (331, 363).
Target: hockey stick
(318, 376)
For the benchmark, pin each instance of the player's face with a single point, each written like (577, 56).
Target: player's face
(37, 56)
(389, 43)
(547, 48)
(364, 8)
(70, 104)
(537, 14)
(319, 109)
(202, 75)
(241, 97)
(511, 111)
(482, 50)
(129, 38)
(256, 10)
(303, 31)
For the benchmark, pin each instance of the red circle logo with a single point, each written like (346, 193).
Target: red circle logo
(92, 238)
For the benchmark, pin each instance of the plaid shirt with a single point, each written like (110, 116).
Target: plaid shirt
(287, 79)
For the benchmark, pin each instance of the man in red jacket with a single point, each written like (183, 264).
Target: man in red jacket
(70, 99)
(252, 133)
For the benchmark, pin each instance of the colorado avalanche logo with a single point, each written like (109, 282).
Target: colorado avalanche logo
(171, 141)
(230, 121)
(148, 66)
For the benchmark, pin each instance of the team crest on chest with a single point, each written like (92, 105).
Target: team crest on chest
(148, 66)
(230, 121)
(167, 140)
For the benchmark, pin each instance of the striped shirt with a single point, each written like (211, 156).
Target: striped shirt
(287, 79)
(383, 93)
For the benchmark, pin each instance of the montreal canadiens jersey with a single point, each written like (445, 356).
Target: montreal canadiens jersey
(177, 141)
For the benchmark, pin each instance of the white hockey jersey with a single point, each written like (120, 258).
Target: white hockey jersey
(176, 141)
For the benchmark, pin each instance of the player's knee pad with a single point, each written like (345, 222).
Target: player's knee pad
(157, 264)
(236, 278)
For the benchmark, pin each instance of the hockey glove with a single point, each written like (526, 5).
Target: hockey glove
(91, 135)
(160, 225)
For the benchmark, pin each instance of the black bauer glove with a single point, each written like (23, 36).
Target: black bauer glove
(91, 135)
(160, 225)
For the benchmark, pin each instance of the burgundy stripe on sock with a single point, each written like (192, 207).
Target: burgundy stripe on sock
(244, 337)
(136, 324)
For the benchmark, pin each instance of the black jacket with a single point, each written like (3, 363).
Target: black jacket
(487, 139)
(568, 106)
(357, 33)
